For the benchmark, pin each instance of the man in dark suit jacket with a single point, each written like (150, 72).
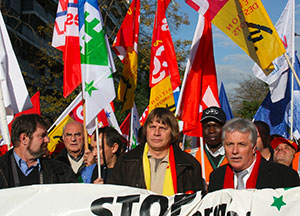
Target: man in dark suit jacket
(246, 167)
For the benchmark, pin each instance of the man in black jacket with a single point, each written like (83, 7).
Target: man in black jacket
(246, 167)
(25, 164)
(159, 165)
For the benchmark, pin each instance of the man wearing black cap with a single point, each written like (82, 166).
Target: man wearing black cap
(213, 119)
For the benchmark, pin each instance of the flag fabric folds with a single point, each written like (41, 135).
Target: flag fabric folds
(126, 47)
(225, 103)
(200, 89)
(134, 128)
(277, 80)
(74, 112)
(96, 61)
(247, 24)
(278, 115)
(164, 74)
(15, 94)
(125, 127)
(66, 39)
(36, 108)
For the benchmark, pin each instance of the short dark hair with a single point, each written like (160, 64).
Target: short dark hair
(166, 117)
(112, 136)
(26, 123)
(264, 132)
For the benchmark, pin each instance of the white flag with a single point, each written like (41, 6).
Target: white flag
(16, 97)
(286, 30)
(96, 60)
(134, 127)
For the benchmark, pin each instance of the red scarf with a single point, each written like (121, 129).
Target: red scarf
(251, 182)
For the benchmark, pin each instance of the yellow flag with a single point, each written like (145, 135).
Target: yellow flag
(55, 134)
(161, 95)
(128, 80)
(247, 23)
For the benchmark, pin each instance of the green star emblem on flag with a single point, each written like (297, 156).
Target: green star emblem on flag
(89, 88)
(278, 202)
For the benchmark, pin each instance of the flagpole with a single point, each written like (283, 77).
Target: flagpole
(98, 147)
(293, 63)
(130, 130)
(86, 145)
(4, 126)
(292, 68)
(202, 158)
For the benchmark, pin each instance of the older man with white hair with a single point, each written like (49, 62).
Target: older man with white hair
(246, 167)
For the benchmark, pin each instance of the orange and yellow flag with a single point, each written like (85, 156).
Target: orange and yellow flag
(126, 47)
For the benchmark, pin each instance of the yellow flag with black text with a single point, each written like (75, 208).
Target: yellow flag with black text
(247, 23)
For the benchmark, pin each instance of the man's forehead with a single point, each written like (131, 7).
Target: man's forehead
(245, 135)
(73, 127)
(211, 122)
(159, 121)
(284, 145)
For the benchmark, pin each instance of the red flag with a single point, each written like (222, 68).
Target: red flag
(66, 39)
(163, 57)
(200, 90)
(144, 116)
(125, 127)
(126, 47)
(36, 108)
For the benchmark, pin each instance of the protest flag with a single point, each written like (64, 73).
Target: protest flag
(225, 103)
(66, 39)
(277, 80)
(199, 89)
(164, 74)
(74, 112)
(278, 115)
(36, 108)
(144, 116)
(35, 100)
(125, 127)
(13, 91)
(96, 60)
(126, 47)
(134, 128)
(248, 25)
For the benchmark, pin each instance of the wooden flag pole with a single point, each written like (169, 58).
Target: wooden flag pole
(86, 144)
(292, 68)
(98, 147)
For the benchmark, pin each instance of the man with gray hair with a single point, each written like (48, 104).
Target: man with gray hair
(246, 167)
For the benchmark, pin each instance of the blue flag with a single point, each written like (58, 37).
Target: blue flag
(225, 103)
(278, 115)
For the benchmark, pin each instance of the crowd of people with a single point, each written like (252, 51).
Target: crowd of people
(237, 154)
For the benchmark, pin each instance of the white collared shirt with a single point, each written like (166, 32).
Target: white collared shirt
(220, 151)
(246, 177)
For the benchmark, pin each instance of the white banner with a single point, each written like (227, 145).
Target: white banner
(90, 199)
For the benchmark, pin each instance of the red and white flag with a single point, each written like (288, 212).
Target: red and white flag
(125, 127)
(66, 39)
(199, 89)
